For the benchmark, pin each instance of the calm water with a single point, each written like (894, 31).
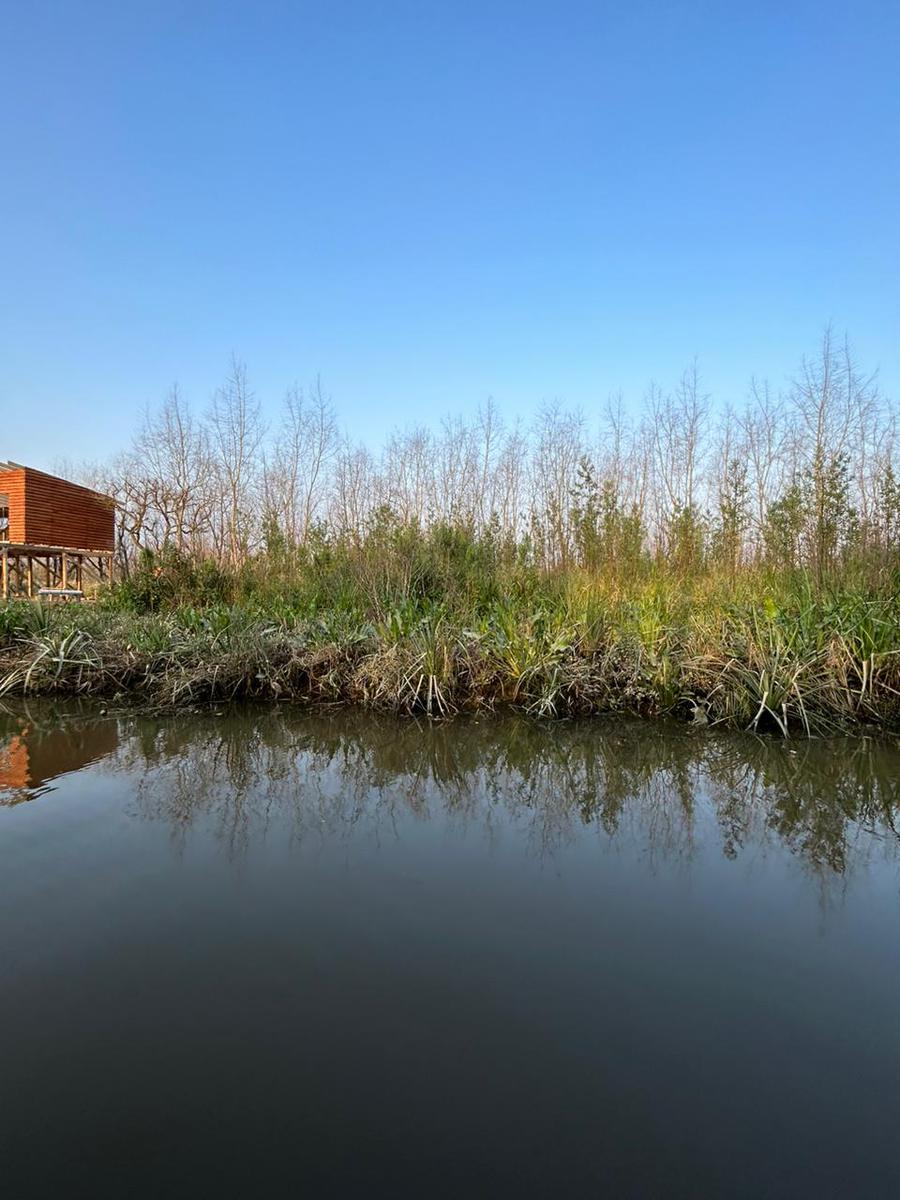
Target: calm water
(261, 953)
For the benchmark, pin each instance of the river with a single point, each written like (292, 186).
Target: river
(263, 952)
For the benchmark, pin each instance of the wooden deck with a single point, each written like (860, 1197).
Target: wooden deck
(50, 572)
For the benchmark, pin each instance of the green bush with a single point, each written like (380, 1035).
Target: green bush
(167, 579)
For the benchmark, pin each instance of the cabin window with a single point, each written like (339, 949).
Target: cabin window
(4, 518)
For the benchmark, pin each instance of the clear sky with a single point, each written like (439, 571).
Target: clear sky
(430, 203)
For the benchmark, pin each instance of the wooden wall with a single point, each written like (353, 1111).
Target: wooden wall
(46, 511)
(13, 484)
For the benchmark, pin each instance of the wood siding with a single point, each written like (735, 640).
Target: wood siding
(46, 511)
(12, 484)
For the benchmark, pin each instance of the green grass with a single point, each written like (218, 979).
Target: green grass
(434, 625)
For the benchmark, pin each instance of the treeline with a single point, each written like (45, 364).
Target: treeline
(802, 478)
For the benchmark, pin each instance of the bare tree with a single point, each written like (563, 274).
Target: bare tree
(678, 423)
(559, 447)
(762, 441)
(835, 405)
(172, 450)
(355, 489)
(297, 477)
(819, 462)
(236, 432)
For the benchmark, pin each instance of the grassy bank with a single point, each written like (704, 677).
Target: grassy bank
(456, 633)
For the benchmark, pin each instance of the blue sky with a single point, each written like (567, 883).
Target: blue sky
(430, 203)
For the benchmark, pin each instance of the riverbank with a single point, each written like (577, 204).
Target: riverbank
(793, 666)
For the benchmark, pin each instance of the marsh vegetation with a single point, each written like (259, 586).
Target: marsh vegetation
(736, 566)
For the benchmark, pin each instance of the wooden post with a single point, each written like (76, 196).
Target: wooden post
(29, 576)
(4, 573)
(65, 571)
(79, 573)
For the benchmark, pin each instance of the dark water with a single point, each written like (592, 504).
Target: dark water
(272, 954)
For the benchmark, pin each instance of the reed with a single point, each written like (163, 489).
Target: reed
(762, 651)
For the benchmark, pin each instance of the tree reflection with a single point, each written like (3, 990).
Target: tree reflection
(831, 803)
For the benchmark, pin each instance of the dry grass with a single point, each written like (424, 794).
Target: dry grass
(794, 666)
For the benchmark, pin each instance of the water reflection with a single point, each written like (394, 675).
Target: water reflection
(832, 803)
(37, 747)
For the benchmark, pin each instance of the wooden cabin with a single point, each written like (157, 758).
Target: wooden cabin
(54, 535)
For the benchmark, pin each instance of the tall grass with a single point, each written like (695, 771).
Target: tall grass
(437, 623)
